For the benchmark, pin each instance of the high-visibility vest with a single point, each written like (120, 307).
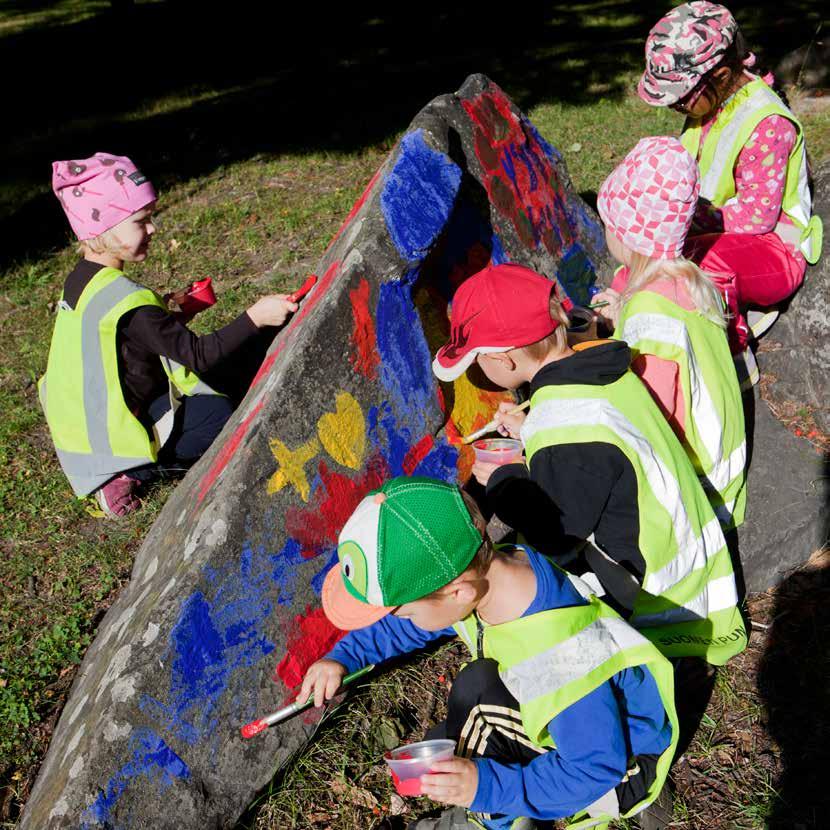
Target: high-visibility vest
(95, 434)
(551, 659)
(687, 602)
(715, 437)
(732, 130)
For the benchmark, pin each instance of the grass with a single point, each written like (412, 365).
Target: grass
(256, 224)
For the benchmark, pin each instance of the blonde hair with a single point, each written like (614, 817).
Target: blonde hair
(643, 270)
(557, 340)
(105, 243)
(484, 555)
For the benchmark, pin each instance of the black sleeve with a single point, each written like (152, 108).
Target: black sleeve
(561, 499)
(161, 333)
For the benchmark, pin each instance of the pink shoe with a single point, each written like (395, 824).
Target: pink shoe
(118, 496)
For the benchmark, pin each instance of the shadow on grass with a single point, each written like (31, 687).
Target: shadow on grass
(793, 682)
(184, 91)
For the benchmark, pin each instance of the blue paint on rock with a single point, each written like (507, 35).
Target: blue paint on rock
(212, 639)
(418, 196)
(151, 759)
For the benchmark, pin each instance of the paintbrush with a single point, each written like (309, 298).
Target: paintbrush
(600, 304)
(493, 424)
(257, 726)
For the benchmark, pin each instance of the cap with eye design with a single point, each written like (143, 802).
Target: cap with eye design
(401, 543)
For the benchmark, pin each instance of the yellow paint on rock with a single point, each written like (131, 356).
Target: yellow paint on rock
(292, 466)
(343, 432)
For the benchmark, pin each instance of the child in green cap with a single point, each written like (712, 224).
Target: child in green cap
(564, 710)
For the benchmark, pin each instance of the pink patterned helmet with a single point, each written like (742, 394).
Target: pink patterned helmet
(99, 192)
(682, 47)
(649, 200)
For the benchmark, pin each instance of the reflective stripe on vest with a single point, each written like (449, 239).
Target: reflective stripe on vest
(689, 582)
(551, 659)
(723, 143)
(95, 435)
(713, 424)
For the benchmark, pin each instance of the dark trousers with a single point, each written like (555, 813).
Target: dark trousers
(199, 419)
(483, 719)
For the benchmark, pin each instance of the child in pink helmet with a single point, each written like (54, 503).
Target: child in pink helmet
(754, 225)
(671, 315)
(122, 392)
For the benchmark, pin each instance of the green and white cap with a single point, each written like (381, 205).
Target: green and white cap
(404, 541)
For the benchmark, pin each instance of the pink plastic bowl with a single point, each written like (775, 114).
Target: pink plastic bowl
(498, 450)
(409, 762)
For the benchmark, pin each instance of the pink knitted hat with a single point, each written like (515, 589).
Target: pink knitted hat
(99, 192)
(649, 200)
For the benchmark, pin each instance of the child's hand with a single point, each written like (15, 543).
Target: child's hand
(272, 310)
(482, 471)
(322, 679)
(610, 312)
(509, 424)
(454, 781)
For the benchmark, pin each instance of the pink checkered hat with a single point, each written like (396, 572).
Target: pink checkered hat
(99, 192)
(682, 47)
(649, 200)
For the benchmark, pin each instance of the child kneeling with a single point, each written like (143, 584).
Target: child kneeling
(121, 395)
(565, 710)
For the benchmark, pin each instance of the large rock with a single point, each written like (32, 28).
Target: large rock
(222, 615)
(796, 352)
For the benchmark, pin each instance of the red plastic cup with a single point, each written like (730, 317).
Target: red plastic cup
(409, 762)
(198, 297)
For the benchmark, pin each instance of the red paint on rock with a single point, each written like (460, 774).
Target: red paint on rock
(311, 636)
(356, 207)
(226, 453)
(417, 454)
(364, 357)
(318, 524)
(305, 310)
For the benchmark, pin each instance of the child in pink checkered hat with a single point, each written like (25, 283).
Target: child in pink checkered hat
(121, 395)
(754, 227)
(671, 315)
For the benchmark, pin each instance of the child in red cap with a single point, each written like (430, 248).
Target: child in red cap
(602, 465)
(754, 224)
(121, 394)
(670, 314)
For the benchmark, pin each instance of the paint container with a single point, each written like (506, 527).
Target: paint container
(198, 297)
(409, 762)
(498, 450)
(581, 319)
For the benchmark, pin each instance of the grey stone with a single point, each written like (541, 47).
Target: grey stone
(795, 353)
(789, 491)
(226, 586)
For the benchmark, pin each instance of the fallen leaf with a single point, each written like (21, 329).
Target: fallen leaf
(397, 806)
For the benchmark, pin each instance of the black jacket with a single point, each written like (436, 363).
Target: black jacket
(574, 490)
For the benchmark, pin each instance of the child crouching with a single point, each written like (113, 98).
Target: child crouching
(565, 710)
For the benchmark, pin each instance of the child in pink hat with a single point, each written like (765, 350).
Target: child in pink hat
(671, 315)
(121, 393)
(755, 230)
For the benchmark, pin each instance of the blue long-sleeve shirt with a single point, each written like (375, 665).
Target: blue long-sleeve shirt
(594, 737)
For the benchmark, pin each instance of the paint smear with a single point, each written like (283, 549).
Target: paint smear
(227, 452)
(343, 432)
(291, 466)
(316, 527)
(418, 196)
(218, 632)
(310, 636)
(152, 760)
(364, 357)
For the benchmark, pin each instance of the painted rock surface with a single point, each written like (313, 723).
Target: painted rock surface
(222, 614)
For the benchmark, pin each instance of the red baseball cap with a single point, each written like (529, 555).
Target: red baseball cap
(500, 308)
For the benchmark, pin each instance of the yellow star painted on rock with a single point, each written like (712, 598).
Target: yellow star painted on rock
(292, 466)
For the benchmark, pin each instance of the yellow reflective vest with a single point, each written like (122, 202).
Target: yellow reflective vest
(95, 434)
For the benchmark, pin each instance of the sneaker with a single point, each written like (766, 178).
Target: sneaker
(760, 322)
(118, 496)
(747, 369)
